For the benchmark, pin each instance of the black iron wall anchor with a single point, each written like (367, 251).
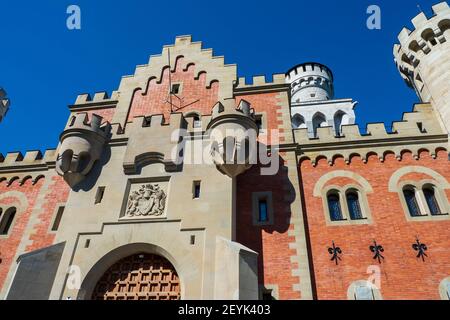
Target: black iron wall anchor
(377, 250)
(420, 248)
(335, 253)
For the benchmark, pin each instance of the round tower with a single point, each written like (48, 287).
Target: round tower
(423, 59)
(4, 104)
(310, 81)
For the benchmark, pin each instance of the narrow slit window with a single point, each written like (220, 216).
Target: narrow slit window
(7, 221)
(99, 195)
(432, 203)
(196, 190)
(58, 218)
(262, 206)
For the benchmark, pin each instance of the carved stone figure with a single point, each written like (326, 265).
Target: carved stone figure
(149, 200)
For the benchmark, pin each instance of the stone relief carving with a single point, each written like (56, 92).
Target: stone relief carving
(148, 200)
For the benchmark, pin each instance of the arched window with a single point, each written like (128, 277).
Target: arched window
(340, 119)
(318, 122)
(432, 203)
(354, 206)
(334, 206)
(298, 122)
(411, 201)
(6, 221)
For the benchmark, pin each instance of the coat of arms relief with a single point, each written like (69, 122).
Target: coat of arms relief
(148, 200)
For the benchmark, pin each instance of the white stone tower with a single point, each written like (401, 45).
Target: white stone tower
(4, 104)
(423, 59)
(312, 99)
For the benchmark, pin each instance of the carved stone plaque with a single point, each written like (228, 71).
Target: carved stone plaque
(146, 200)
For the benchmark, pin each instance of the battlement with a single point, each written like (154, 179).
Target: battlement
(420, 122)
(428, 34)
(16, 161)
(261, 81)
(417, 129)
(81, 121)
(4, 103)
(99, 98)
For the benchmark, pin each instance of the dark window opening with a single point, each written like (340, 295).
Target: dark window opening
(7, 220)
(196, 190)
(175, 88)
(335, 207)
(262, 210)
(354, 206)
(411, 202)
(192, 240)
(58, 218)
(99, 195)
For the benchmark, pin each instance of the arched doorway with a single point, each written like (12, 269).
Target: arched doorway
(141, 276)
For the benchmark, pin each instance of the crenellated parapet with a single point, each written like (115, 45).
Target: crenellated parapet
(423, 59)
(418, 130)
(152, 141)
(35, 160)
(81, 145)
(233, 133)
(4, 103)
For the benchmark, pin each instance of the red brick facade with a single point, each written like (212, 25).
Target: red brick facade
(403, 276)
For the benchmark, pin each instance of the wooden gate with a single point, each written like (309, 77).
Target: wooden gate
(139, 277)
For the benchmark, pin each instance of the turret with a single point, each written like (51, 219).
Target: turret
(310, 81)
(233, 133)
(423, 59)
(81, 144)
(4, 104)
(312, 100)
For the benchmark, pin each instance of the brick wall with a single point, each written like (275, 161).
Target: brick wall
(194, 92)
(9, 197)
(403, 276)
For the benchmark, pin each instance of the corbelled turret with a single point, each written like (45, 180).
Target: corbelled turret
(423, 59)
(233, 133)
(81, 144)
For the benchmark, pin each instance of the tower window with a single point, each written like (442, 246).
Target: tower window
(411, 202)
(432, 203)
(7, 221)
(58, 218)
(196, 190)
(263, 214)
(354, 207)
(334, 207)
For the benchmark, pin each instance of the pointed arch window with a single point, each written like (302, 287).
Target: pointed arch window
(334, 206)
(318, 122)
(7, 220)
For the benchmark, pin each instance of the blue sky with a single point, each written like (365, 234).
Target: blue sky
(44, 66)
